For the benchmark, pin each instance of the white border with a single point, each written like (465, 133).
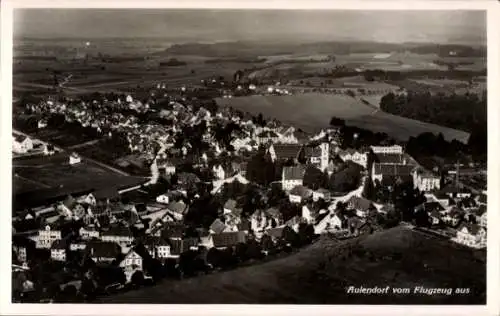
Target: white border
(492, 308)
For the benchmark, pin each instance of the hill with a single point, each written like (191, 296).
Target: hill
(320, 274)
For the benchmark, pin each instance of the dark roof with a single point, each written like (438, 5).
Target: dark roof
(106, 193)
(390, 158)
(435, 213)
(228, 239)
(267, 134)
(179, 246)
(273, 212)
(393, 170)
(178, 207)
(275, 232)
(294, 172)
(481, 210)
(312, 151)
(301, 191)
(173, 230)
(244, 225)
(230, 204)
(429, 207)
(69, 202)
(360, 203)
(104, 249)
(287, 151)
(20, 138)
(187, 178)
(118, 231)
(153, 241)
(473, 229)
(456, 212)
(59, 244)
(217, 226)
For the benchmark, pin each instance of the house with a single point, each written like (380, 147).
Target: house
(285, 152)
(321, 193)
(77, 246)
(287, 135)
(103, 251)
(310, 212)
(425, 181)
(435, 217)
(471, 235)
(266, 137)
(88, 233)
(217, 226)
(58, 250)
(178, 209)
(274, 216)
(74, 159)
(228, 239)
(163, 198)
(337, 222)
(393, 159)
(387, 172)
(360, 205)
(219, 172)
(456, 192)
(49, 150)
(131, 263)
(46, 237)
(453, 216)
(42, 123)
(118, 234)
(258, 221)
(292, 176)
(430, 207)
(318, 156)
(299, 193)
(179, 246)
(394, 149)
(275, 233)
(481, 216)
(294, 223)
(230, 207)
(21, 144)
(355, 156)
(87, 199)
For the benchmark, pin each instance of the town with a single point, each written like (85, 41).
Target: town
(214, 188)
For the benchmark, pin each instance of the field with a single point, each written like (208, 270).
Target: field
(312, 111)
(55, 173)
(320, 274)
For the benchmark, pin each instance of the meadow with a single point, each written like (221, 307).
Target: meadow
(312, 112)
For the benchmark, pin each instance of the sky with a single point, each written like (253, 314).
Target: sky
(229, 25)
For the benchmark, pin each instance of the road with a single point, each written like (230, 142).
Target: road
(101, 164)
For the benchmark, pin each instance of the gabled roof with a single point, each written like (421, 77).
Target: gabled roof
(103, 249)
(173, 230)
(178, 207)
(217, 226)
(294, 172)
(393, 170)
(312, 151)
(301, 191)
(432, 206)
(276, 232)
(267, 134)
(59, 244)
(179, 246)
(230, 204)
(287, 151)
(69, 202)
(273, 212)
(229, 239)
(360, 203)
(390, 158)
(472, 229)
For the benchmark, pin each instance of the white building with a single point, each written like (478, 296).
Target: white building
(163, 198)
(88, 233)
(21, 144)
(354, 156)
(46, 237)
(426, 181)
(471, 235)
(395, 149)
(74, 158)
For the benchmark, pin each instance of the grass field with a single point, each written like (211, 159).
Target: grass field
(320, 274)
(312, 111)
(56, 172)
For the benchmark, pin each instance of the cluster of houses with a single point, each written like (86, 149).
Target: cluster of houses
(109, 225)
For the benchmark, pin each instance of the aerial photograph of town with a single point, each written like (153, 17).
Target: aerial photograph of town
(203, 156)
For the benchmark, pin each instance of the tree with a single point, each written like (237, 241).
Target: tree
(306, 233)
(290, 237)
(336, 122)
(137, 278)
(314, 178)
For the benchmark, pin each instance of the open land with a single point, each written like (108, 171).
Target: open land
(312, 111)
(318, 274)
